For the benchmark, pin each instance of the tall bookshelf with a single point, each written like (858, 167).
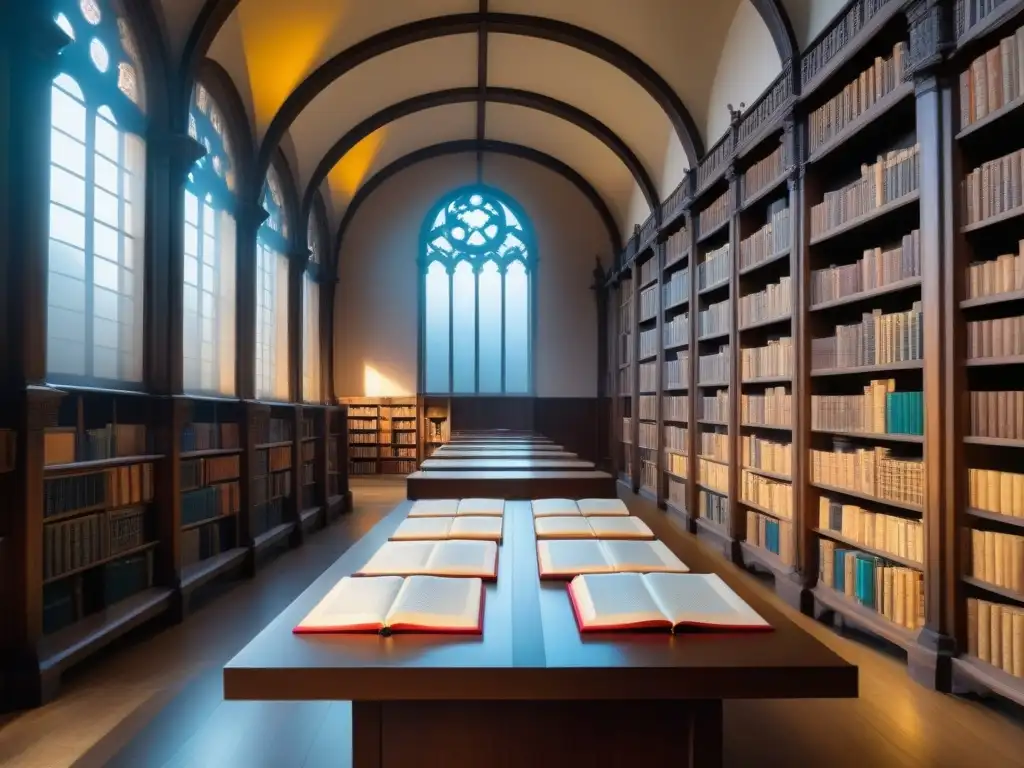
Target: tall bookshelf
(625, 379)
(436, 430)
(649, 354)
(384, 435)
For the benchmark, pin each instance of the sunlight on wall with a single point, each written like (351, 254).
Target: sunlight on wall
(274, 69)
(351, 171)
(376, 384)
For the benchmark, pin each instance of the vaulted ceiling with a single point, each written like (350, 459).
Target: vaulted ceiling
(620, 92)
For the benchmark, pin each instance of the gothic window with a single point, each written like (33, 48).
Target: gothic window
(311, 389)
(97, 200)
(477, 296)
(272, 295)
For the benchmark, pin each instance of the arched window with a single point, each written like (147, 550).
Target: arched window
(477, 265)
(97, 200)
(272, 295)
(209, 267)
(311, 309)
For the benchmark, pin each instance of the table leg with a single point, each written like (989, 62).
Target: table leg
(366, 734)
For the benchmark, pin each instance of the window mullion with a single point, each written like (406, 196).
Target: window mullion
(451, 328)
(90, 228)
(504, 329)
(122, 230)
(476, 327)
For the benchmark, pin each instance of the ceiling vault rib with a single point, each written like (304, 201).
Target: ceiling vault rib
(775, 18)
(462, 146)
(481, 82)
(498, 95)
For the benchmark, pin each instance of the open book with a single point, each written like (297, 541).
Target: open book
(439, 528)
(670, 600)
(566, 558)
(580, 527)
(585, 507)
(602, 507)
(434, 508)
(554, 507)
(434, 558)
(485, 507)
(388, 604)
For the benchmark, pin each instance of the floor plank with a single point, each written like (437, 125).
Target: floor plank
(159, 701)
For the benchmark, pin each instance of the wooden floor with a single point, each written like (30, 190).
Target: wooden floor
(158, 700)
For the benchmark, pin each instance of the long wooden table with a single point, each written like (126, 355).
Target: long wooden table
(500, 453)
(509, 484)
(519, 444)
(531, 691)
(506, 465)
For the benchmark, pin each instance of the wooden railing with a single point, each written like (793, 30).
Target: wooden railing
(969, 14)
(776, 97)
(677, 200)
(715, 161)
(838, 34)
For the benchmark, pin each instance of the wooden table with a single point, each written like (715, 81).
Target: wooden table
(531, 691)
(506, 465)
(509, 484)
(500, 453)
(522, 444)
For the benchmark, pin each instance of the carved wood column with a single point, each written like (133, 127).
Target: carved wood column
(250, 218)
(737, 521)
(600, 289)
(930, 24)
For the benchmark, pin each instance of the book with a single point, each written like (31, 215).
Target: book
(558, 507)
(565, 558)
(389, 604)
(434, 508)
(434, 558)
(615, 601)
(439, 528)
(482, 507)
(580, 527)
(602, 507)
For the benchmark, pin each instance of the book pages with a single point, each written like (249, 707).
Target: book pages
(478, 507)
(641, 556)
(554, 507)
(434, 602)
(463, 558)
(566, 527)
(470, 527)
(701, 599)
(619, 528)
(615, 600)
(399, 558)
(353, 604)
(598, 507)
(569, 557)
(422, 529)
(434, 508)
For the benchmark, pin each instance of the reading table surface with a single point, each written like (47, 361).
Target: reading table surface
(498, 453)
(531, 682)
(502, 465)
(512, 484)
(530, 444)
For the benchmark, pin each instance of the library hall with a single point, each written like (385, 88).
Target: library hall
(511, 383)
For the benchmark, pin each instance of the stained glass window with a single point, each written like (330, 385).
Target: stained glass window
(97, 202)
(477, 297)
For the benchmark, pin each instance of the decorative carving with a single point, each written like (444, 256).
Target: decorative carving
(930, 26)
(735, 115)
(796, 177)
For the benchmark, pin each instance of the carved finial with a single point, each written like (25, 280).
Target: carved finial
(734, 114)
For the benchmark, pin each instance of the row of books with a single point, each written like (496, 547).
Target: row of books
(857, 97)
(676, 332)
(897, 536)
(212, 502)
(272, 460)
(993, 79)
(877, 340)
(677, 246)
(991, 490)
(115, 487)
(766, 493)
(677, 371)
(648, 303)
(359, 452)
(66, 445)
(771, 239)
(393, 452)
(714, 445)
(892, 176)
(716, 319)
(274, 430)
(369, 411)
(64, 601)
(1003, 274)
(773, 301)
(271, 487)
(773, 359)
(713, 475)
(994, 188)
(895, 592)
(767, 455)
(773, 535)
(675, 463)
(399, 411)
(675, 408)
(995, 635)
(362, 467)
(648, 271)
(875, 269)
(878, 410)
(715, 268)
(873, 472)
(204, 542)
(677, 492)
(715, 368)
(362, 438)
(677, 289)
(762, 173)
(265, 516)
(998, 558)
(200, 436)
(714, 507)
(648, 343)
(998, 337)
(714, 408)
(772, 409)
(675, 439)
(398, 438)
(364, 424)
(73, 545)
(715, 214)
(648, 409)
(648, 373)
(199, 472)
(648, 435)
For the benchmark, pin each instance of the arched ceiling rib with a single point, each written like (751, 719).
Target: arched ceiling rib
(487, 146)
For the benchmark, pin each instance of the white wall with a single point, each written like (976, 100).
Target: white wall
(747, 65)
(810, 17)
(377, 310)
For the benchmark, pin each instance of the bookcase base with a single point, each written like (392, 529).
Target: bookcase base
(930, 660)
(973, 676)
(540, 734)
(792, 591)
(715, 537)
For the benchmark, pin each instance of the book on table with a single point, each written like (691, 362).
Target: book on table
(566, 558)
(615, 601)
(440, 528)
(482, 507)
(434, 558)
(388, 604)
(554, 507)
(584, 507)
(580, 527)
(457, 507)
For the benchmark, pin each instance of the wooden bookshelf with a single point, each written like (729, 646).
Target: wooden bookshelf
(436, 424)
(384, 435)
